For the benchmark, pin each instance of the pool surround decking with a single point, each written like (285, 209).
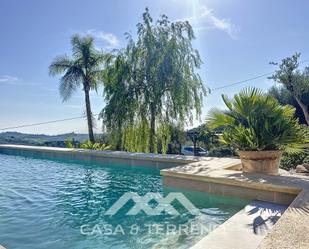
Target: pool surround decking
(246, 229)
(291, 230)
(219, 176)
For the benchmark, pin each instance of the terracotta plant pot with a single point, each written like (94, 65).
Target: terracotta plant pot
(266, 162)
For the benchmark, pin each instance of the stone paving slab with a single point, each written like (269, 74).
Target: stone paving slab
(246, 229)
(292, 229)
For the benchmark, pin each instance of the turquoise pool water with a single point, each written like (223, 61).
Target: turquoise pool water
(60, 204)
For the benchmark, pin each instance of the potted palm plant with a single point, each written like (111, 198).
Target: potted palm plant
(259, 128)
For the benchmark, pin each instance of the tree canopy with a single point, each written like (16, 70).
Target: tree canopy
(82, 69)
(152, 83)
(200, 134)
(285, 97)
(294, 80)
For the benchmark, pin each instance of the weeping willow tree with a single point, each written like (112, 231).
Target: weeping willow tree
(119, 112)
(151, 84)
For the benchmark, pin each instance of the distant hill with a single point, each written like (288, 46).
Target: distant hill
(40, 139)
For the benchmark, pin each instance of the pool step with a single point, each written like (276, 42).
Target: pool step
(244, 230)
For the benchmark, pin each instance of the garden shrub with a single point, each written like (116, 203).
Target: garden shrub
(291, 160)
(221, 151)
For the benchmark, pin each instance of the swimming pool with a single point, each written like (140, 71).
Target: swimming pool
(55, 203)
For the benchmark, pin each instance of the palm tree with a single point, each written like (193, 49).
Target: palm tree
(255, 121)
(82, 69)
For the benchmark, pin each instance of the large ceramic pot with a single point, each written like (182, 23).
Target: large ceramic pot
(266, 162)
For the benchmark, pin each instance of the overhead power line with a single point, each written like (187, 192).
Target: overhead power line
(43, 123)
(246, 80)
(73, 118)
(241, 81)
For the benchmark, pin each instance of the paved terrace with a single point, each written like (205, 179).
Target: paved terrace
(213, 176)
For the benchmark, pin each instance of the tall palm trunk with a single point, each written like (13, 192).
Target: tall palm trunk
(304, 109)
(89, 116)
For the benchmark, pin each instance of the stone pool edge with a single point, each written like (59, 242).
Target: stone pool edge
(236, 232)
(106, 153)
(291, 230)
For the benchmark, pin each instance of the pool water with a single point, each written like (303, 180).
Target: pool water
(49, 203)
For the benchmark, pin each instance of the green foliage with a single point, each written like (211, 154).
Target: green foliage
(290, 76)
(221, 151)
(285, 97)
(255, 121)
(69, 143)
(291, 160)
(80, 70)
(164, 136)
(200, 134)
(178, 138)
(153, 79)
(282, 94)
(94, 146)
(295, 81)
(119, 93)
(136, 137)
(129, 139)
(142, 136)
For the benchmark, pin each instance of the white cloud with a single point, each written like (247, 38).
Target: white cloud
(14, 81)
(206, 19)
(221, 23)
(109, 39)
(8, 79)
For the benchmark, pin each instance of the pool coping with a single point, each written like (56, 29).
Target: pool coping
(245, 224)
(295, 218)
(222, 171)
(106, 153)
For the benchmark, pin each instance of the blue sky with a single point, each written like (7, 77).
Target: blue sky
(236, 38)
